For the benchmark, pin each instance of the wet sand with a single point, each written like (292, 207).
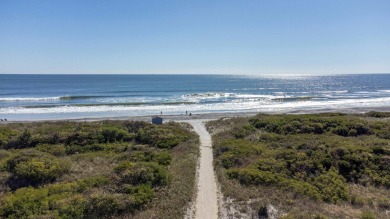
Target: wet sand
(210, 116)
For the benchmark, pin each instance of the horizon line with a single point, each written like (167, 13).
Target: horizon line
(266, 74)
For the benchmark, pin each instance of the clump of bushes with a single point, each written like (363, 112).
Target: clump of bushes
(82, 199)
(36, 167)
(6, 134)
(378, 114)
(112, 135)
(141, 153)
(4, 154)
(24, 140)
(329, 187)
(92, 170)
(351, 130)
(250, 176)
(311, 155)
(142, 173)
(134, 126)
(309, 124)
(235, 152)
(241, 132)
(25, 202)
(162, 136)
(368, 215)
(82, 138)
(54, 149)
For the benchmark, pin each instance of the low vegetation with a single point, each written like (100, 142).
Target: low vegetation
(108, 169)
(308, 166)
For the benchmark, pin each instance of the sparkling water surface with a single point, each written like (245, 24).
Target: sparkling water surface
(36, 97)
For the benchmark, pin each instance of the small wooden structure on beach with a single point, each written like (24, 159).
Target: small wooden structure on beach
(157, 120)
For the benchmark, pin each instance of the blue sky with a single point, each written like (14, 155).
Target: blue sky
(227, 37)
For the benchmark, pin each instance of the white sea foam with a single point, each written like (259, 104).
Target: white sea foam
(208, 95)
(334, 92)
(255, 106)
(203, 96)
(28, 99)
(131, 99)
(366, 92)
(261, 96)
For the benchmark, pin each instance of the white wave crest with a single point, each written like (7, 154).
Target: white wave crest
(334, 92)
(255, 106)
(28, 99)
(208, 95)
(202, 96)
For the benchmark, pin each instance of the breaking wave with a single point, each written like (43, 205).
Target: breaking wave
(264, 106)
(28, 99)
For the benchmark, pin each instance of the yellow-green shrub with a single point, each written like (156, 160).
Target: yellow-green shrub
(54, 149)
(36, 167)
(142, 173)
(24, 203)
(167, 136)
(332, 186)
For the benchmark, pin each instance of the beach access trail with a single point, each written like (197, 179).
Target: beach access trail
(206, 205)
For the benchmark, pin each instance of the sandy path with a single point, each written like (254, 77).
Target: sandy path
(206, 206)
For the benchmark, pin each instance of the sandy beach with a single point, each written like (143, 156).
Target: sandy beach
(212, 116)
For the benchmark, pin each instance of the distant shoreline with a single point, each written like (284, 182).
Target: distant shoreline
(213, 116)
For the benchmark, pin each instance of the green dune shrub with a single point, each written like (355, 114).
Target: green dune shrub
(61, 199)
(36, 167)
(112, 135)
(6, 134)
(24, 140)
(102, 169)
(332, 186)
(162, 136)
(317, 156)
(142, 173)
(54, 149)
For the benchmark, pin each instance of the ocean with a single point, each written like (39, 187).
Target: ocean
(48, 97)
